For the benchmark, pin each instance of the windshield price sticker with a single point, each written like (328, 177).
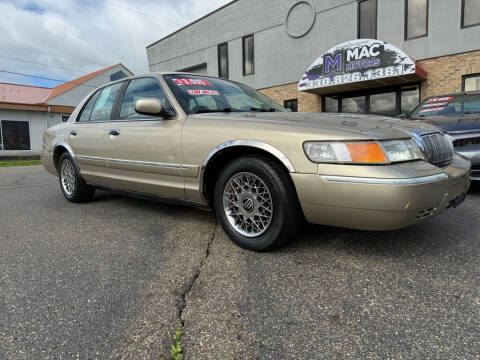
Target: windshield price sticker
(192, 82)
(432, 109)
(203, 92)
(440, 99)
(430, 105)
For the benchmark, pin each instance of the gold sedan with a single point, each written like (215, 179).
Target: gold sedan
(219, 144)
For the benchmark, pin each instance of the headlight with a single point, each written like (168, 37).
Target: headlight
(363, 152)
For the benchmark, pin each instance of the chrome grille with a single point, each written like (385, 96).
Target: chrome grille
(466, 142)
(438, 148)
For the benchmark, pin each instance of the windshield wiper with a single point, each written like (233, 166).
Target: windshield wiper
(470, 113)
(262, 109)
(224, 110)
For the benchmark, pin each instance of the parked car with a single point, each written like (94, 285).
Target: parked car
(215, 143)
(459, 116)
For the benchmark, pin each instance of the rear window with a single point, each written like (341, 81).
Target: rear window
(454, 105)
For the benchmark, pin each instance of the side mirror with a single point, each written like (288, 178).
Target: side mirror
(402, 116)
(148, 106)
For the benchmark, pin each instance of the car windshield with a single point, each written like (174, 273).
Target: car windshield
(200, 94)
(451, 105)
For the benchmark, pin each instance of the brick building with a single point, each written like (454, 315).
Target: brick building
(383, 55)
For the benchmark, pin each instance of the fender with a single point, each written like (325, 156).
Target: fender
(70, 151)
(246, 143)
(66, 146)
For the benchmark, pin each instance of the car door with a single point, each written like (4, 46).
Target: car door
(144, 150)
(88, 136)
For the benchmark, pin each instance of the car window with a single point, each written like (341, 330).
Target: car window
(87, 109)
(142, 88)
(451, 105)
(197, 94)
(206, 101)
(103, 107)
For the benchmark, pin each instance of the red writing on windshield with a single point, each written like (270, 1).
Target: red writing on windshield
(438, 99)
(432, 109)
(203, 92)
(194, 82)
(435, 104)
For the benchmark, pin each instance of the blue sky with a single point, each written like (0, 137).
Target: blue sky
(65, 39)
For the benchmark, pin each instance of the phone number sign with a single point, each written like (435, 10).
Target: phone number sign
(356, 61)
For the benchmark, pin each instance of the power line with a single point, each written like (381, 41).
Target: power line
(46, 78)
(51, 54)
(42, 64)
(55, 55)
(140, 12)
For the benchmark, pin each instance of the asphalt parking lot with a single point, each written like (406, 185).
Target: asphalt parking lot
(116, 277)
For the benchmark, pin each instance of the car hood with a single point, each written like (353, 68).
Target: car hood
(454, 123)
(371, 126)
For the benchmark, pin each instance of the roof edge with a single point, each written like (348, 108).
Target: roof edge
(193, 22)
(63, 88)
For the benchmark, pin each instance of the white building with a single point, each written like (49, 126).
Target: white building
(26, 111)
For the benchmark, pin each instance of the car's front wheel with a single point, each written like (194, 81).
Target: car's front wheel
(74, 188)
(256, 203)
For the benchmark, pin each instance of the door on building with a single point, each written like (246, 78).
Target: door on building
(141, 149)
(390, 101)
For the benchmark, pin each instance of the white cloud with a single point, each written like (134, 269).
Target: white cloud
(102, 32)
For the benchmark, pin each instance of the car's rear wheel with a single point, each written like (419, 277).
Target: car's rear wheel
(256, 204)
(74, 188)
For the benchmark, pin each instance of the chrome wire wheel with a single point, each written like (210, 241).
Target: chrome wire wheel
(248, 204)
(68, 177)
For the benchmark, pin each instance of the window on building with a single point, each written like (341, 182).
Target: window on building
(383, 104)
(223, 60)
(331, 104)
(367, 19)
(471, 82)
(15, 135)
(87, 109)
(104, 105)
(410, 98)
(354, 104)
(248, 55)
(142, 88)
(390, 101)
(470, 13)
(117, 76)
(416, 18)
(291, 104)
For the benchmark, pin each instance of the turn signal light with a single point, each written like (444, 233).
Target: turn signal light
(366, 152)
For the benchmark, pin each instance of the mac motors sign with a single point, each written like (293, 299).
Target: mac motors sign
(356, 61)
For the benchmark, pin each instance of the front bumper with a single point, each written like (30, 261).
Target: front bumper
(381, 203)
(473, 154)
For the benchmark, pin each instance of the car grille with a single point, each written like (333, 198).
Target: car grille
(438, 148)
(475, 170)
(466, 142)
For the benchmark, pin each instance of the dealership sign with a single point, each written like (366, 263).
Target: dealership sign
(357, 61)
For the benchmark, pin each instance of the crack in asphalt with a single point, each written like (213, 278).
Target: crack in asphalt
(183, 297)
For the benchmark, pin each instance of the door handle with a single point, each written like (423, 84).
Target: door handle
(74, 132)
(114, 132)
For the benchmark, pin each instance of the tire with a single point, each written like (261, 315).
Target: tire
(74, 188)
(243, 211)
